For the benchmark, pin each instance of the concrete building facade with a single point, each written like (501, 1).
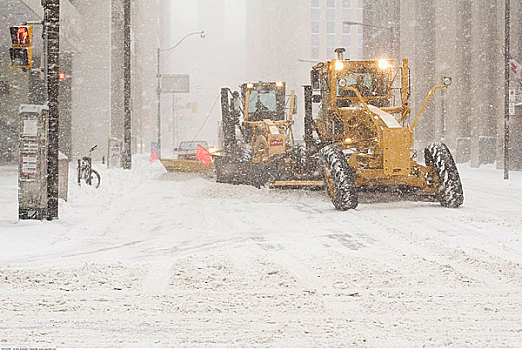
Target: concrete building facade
(463, 40)
(91, 96)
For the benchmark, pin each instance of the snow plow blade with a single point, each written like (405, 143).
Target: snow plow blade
(186, 166)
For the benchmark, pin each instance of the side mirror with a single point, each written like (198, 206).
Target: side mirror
(316, 98)
(314, 78)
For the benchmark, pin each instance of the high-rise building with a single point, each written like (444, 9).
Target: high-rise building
(329, 30)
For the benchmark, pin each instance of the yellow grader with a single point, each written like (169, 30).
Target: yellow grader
(258, 146)
(365, 140)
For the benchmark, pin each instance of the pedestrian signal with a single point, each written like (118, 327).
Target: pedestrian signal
(21, 36)
(22, 46)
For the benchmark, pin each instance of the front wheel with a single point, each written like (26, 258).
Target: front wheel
(449, 192)
(339, 178)
(95, 179)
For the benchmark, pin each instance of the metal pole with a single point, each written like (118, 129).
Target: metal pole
(127, 121)
(158, 74)
(52, 30)
(506, 93)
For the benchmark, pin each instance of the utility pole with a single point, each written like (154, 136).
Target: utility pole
(127, 121)
(506, 92)
(158, 76)
(52, 38)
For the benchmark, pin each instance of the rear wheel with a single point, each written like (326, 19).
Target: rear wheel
(339, 178)
(449, 193)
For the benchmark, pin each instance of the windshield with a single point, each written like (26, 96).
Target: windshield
(262, 101)
(368, 84)
(192, 146)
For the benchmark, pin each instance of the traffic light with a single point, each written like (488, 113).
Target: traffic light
(22, 46)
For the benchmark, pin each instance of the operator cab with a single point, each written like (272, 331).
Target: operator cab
(265, 100)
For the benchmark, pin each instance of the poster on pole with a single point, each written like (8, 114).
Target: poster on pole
(175, 83)
(114, 153)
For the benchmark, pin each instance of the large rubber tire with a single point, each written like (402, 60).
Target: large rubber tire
(245, 153)
(95, 179)
(339, 178)
(449, 193)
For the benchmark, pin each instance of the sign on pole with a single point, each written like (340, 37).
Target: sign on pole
(175, 83)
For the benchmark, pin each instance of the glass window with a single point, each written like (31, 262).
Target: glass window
(359, 4)
(359, 40)
(314, 3)
(346, 4)
(330, 14)
(315, 27)
(330, 3)
(358, 15)
(262, 101)
(330, 27)
(347, 28)
(315, 53)
(314, 39)
(346, 40)
(330, 40)
(369, 83)
(347, 14)
(315, 14)
(330, 52)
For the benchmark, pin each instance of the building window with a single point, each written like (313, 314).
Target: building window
(358, 15)
(347, 15)
(314, 39)
(314, 53)
(330, 27)
(330, 3)
(347, 28)
(315, 14)
(359, 40)
(359, 4)
(330, 40)
(346, 4)
(314, 3)
(330, 14)
(315, 27)
(330, 52)
(347, 40)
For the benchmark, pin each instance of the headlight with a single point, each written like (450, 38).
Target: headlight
(383, 64)
(342, 82)
(212, 150)
(279, 84)
(339, 65)
(250, 85)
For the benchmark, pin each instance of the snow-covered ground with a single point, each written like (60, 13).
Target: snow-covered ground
(158, 259)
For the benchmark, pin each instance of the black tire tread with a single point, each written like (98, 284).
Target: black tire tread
(343, 177)
(449, 193)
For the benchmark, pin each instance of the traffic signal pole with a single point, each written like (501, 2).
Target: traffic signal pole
(127, 121)
(52, 34)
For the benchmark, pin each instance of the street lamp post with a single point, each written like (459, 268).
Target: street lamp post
(202, 35)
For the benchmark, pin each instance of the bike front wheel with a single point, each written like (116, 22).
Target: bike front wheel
(95, 179)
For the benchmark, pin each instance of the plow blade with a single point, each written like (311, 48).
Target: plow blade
(186, 166)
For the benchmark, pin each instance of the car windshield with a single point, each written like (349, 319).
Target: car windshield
(262, 101)
(192, 146)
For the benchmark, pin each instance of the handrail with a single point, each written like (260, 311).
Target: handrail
(426, 103)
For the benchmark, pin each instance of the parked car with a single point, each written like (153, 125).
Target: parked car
(187, 149)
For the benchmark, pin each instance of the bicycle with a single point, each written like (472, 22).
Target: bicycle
(86, 172)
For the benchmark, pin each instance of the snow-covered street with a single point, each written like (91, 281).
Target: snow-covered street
(160, 259)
